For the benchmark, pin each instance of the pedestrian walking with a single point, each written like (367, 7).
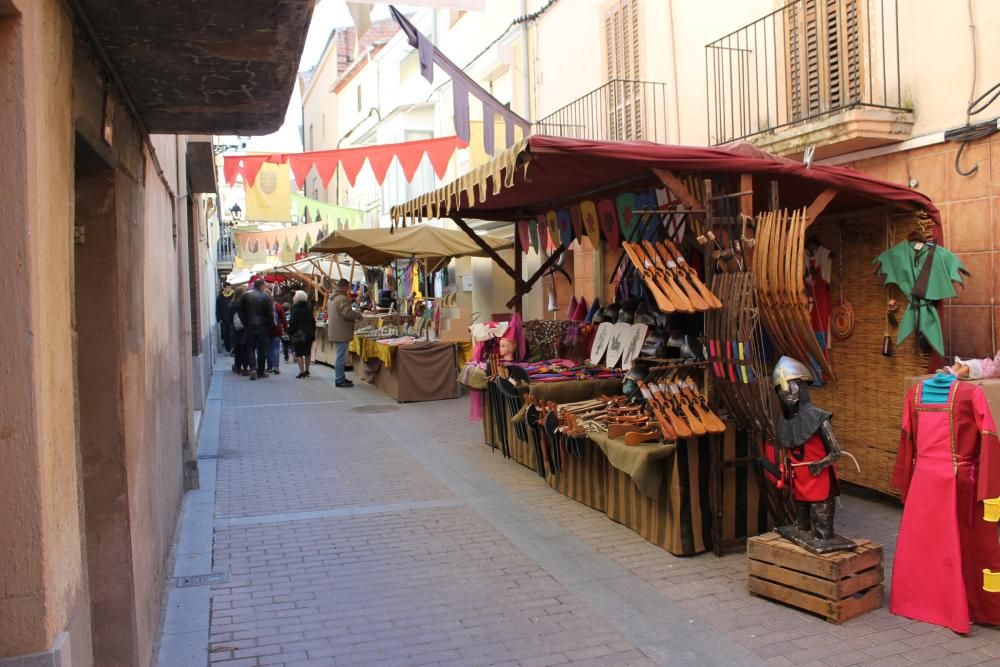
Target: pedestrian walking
(302, 331)
(257, 314)
(340, 329)
(241, 364)
(286, 342)
(276, 332)
(223, 304)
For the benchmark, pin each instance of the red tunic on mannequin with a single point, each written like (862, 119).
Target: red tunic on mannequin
(806, 486)
(948, 462)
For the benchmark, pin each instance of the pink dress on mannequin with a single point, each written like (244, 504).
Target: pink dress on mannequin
(948, 463)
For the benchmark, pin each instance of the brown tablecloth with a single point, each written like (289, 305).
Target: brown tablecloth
(641, 462)
(420, 372)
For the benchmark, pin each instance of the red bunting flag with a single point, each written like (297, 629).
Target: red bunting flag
(379, 158)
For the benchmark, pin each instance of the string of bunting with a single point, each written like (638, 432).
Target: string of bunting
(379, 158)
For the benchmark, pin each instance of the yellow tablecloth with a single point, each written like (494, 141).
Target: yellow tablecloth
(369, 348)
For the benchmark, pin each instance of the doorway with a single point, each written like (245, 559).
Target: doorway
(100, 411)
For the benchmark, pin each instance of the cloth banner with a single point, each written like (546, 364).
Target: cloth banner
(379, 158)
(462, 86)
(269, 200)
(338, 217)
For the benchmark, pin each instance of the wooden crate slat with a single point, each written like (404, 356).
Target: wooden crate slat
(859, 582)
(790, 596)
(855, 606)
(836, 586)
(797, 580)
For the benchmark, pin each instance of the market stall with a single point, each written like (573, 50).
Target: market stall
(744, 257)
(401, 354)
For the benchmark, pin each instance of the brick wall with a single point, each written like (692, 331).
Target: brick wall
(970, 211)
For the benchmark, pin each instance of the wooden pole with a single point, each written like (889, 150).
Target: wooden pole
(519, 272)
(486, 247)
(526, 285)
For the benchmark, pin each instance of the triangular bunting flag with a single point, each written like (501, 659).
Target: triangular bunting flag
(251, 167)
(325, 167)
(379, 161)
(300, 167)
(351, 162)
(409, 160)
(440, 156)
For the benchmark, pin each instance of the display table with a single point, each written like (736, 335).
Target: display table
(422, 371)
(662, 492)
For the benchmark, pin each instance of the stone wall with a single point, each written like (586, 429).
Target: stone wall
(95, 356)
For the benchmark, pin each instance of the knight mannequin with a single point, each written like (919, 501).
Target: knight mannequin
(806, 433)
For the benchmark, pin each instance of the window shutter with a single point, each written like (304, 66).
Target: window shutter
(823, 56)
(621, 42)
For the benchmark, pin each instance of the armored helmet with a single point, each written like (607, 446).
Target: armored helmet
(789, 369)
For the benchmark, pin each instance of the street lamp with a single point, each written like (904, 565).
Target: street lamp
(236, 211)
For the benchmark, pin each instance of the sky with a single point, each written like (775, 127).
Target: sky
(327, 15)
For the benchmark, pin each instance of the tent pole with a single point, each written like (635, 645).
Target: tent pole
(526, 285)
(518, 273)
(486, 247)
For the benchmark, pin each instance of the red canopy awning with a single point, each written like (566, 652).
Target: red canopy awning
(543, 173)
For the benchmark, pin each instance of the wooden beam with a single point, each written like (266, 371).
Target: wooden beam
(746, 201)
(819, 204)
(518, 271)
(774, 203)
(677, 187)
(526, 285)
(487, 248)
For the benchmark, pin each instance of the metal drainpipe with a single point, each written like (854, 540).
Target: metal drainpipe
(673, 84)
(525, 74)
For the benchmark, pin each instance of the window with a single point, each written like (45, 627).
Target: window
(621, 45)
(360, 99)
(823, 56)
(323, 133)
(502, 88)
(312, 144)
(409, 66)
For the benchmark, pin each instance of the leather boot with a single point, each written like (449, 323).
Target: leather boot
(822, 518)
(803, 520)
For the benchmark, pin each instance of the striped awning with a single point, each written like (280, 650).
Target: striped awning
(477, 185)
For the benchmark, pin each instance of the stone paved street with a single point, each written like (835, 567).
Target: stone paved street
(354, 530)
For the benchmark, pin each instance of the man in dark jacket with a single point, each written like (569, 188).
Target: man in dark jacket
(257, 313)
(223, 302)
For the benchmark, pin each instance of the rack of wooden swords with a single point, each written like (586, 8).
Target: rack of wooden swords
(757, 284)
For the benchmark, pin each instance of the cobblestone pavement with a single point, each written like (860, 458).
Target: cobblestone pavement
(358, 531)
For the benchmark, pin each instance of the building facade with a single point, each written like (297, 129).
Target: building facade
(109, 191)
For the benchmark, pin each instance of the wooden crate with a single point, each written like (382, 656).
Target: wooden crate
(837, 586)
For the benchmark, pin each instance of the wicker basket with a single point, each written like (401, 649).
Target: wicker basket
(868, 403)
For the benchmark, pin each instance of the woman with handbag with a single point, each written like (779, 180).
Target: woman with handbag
(241, 360)
(302, 331)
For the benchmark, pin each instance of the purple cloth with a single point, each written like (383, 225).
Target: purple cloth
(462, 85)
(488, 125)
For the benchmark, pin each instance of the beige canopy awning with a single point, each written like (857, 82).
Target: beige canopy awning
(378, 247)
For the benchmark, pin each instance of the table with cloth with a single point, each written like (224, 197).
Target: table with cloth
(662, 492)
(418, 371)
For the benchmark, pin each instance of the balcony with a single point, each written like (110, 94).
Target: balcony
(619, 110)
(821, 73)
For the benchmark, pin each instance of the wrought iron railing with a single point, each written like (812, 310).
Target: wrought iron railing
(619, 110)
(225, 248)
(803, 61)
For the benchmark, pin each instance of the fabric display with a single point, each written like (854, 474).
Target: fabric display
(948, 464)
(819, 272)
(925, 273)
